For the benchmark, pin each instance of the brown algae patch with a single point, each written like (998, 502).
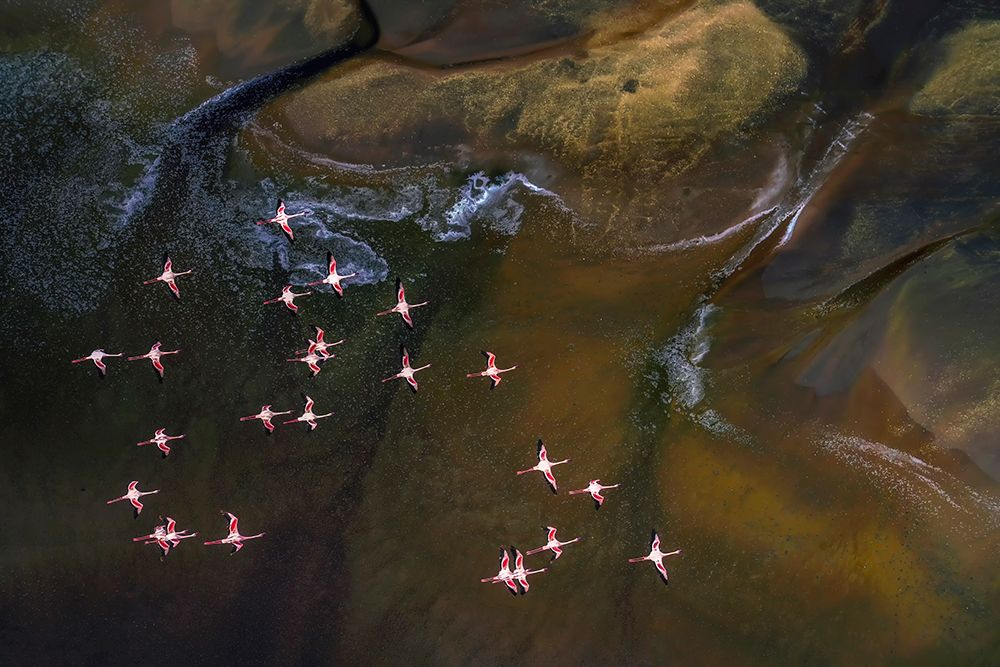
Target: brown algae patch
(645, 106)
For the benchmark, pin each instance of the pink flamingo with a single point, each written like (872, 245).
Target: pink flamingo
(333, 278)
(159, 532)
(544, 466)
(553, 544)
(234, 538)
(167, 537)
(97, 357)
(492, 372)
(281, 219)
(594, 489)
(169, 277)
(407, 371)
(265, 415)
(504, 575)
(402, 307)
(288, 298)
(321, 346)
(519, 573)
(160, 439)
(154, 355)
(132, 495)
(308, 416)
(312, 359)
(656, 557)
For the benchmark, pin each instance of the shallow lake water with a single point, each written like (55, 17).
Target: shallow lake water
(783, 350)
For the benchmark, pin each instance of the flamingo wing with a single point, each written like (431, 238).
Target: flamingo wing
(400, 291)
(551, 479)
(233, 524)
(663, 570)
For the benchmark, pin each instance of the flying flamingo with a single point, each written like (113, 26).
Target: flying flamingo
(407, 371)
(166, 536)
(312, 359)
(504, 574)
(492, 372)
(402, 307)
(321, 346)
(656, 557)
(308, 416)
(154, 355)
(96, 356)
(173, 536)
(169, 277)
(159, 532)
(160, 439)
(288, 298)
(265, 415)
(594, 489)
(132, 495)
(281, 219)
(553, 544)
(544, 466)
(519, 573)
(234, 536)
(333, 278)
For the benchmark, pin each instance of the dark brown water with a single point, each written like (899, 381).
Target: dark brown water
(780, 340)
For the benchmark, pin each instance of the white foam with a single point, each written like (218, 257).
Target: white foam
(490, 198)
(909, 477)
(791, 207)
(680, 358)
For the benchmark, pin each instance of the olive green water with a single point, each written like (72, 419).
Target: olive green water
(747, 267)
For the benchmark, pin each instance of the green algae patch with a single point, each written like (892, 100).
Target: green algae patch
(968, 80)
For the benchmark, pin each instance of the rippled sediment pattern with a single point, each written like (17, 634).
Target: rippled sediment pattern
(757, 292)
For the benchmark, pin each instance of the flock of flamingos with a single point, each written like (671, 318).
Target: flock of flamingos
(166, 535)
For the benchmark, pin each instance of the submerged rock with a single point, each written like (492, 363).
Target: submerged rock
(967, 82)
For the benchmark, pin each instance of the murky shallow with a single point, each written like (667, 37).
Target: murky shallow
(788, 368)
